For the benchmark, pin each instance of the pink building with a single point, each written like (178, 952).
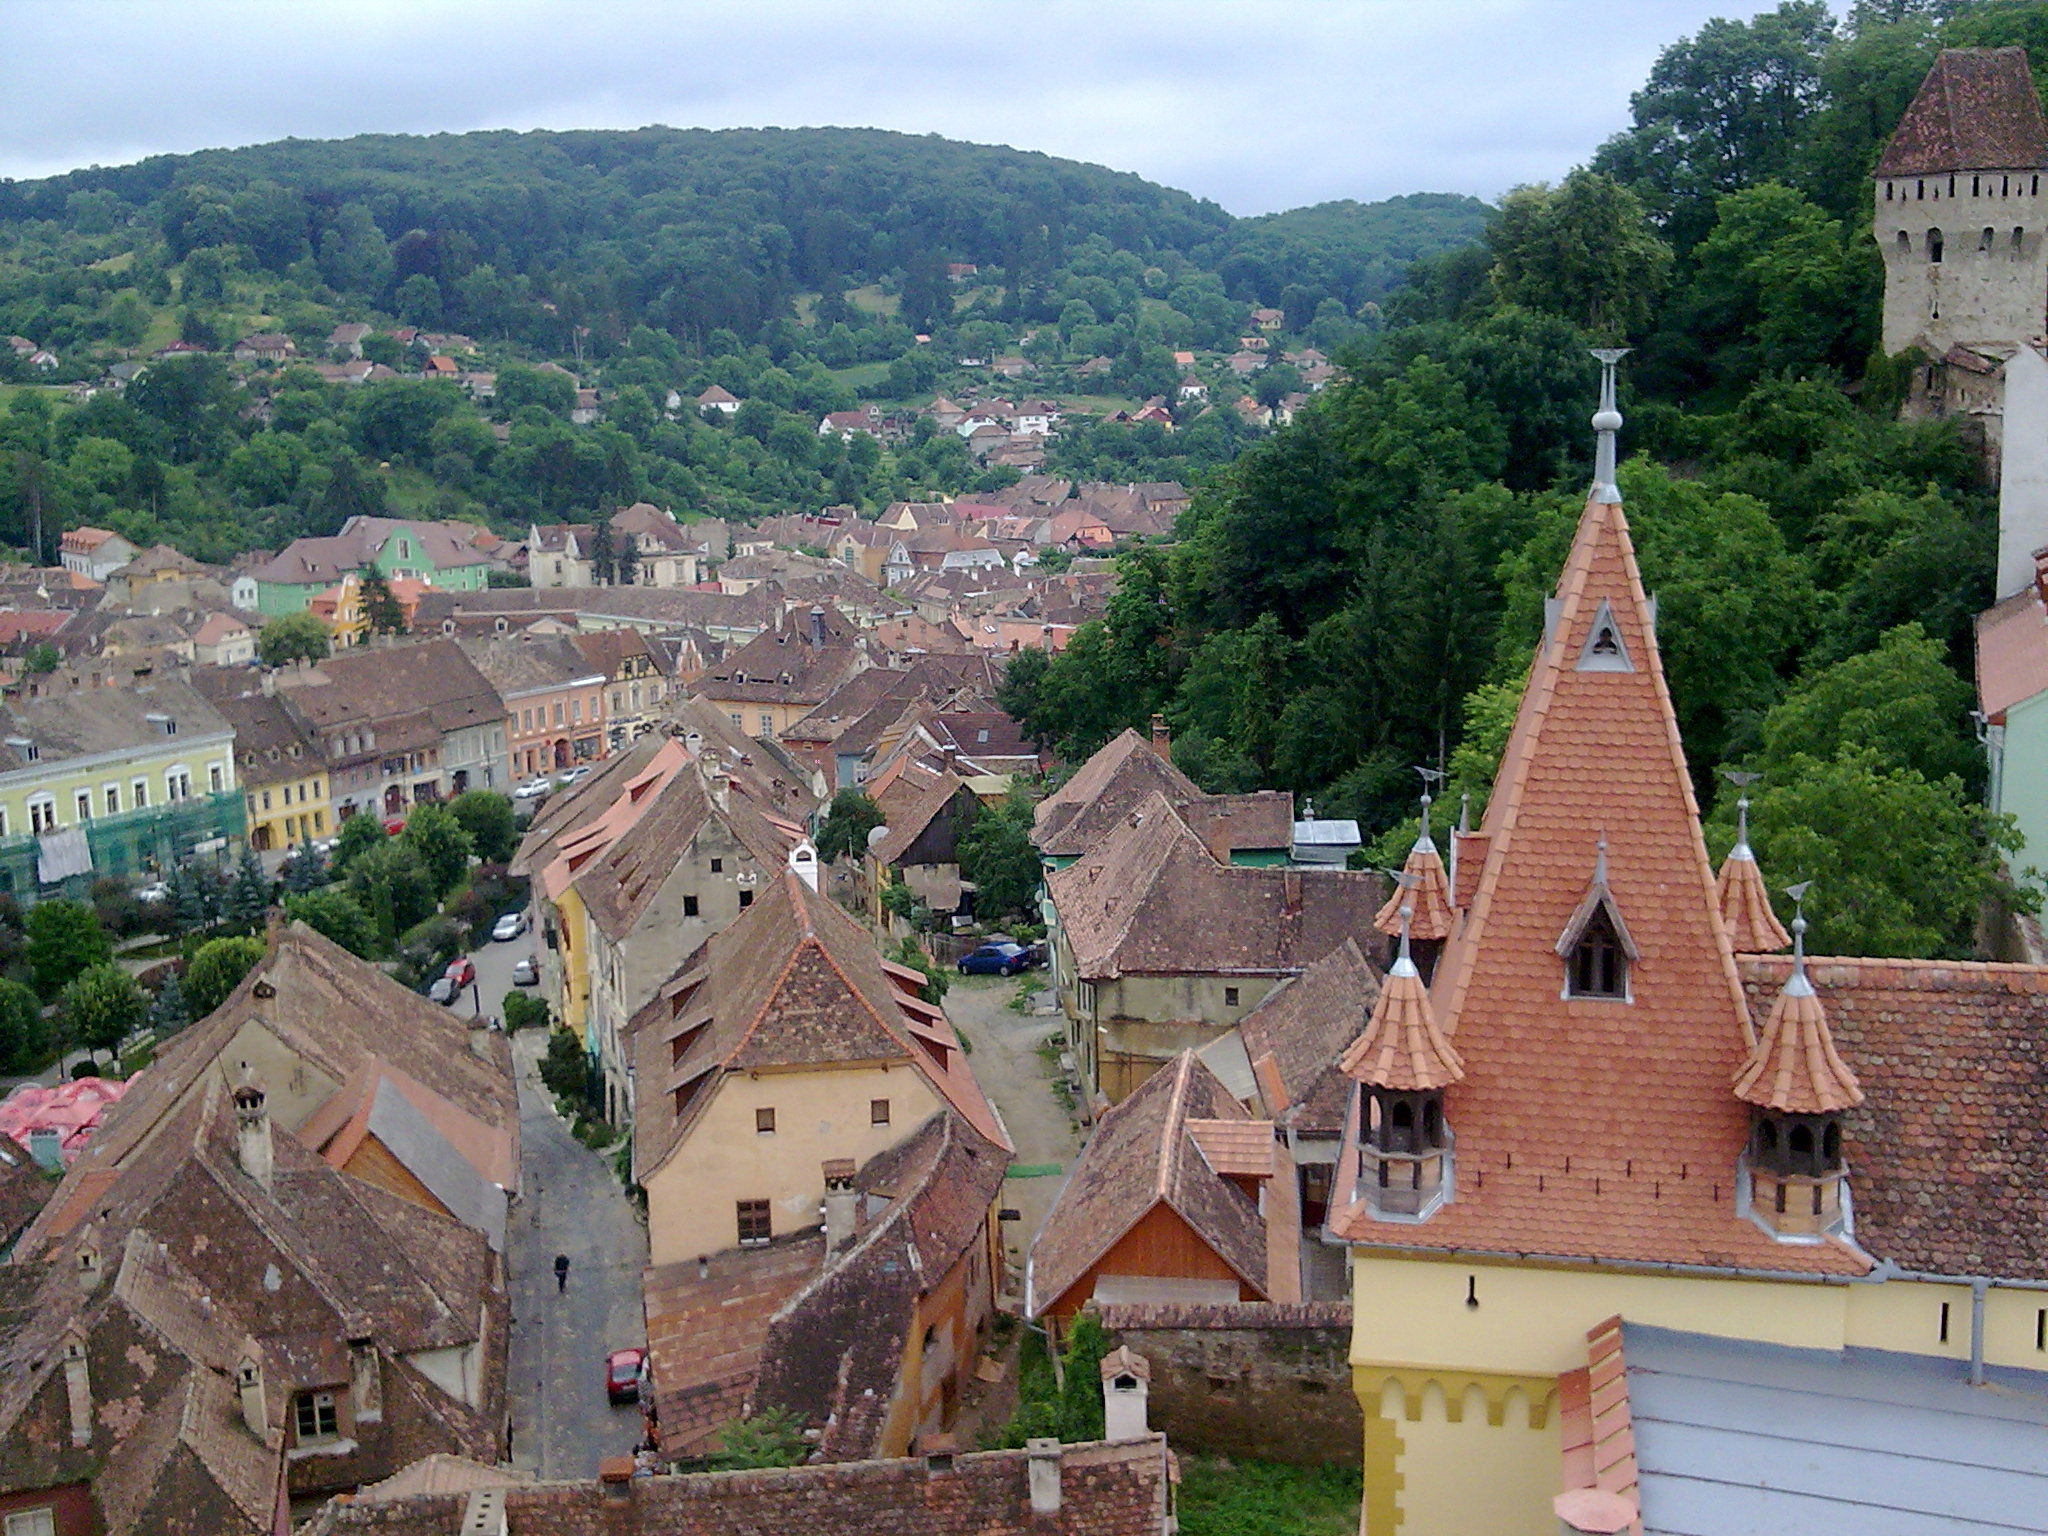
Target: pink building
(56, 1123)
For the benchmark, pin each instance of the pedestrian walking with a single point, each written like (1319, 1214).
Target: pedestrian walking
(561, 1273)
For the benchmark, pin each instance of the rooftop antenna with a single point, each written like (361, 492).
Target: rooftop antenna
(1606, 422)
(1741, 780)
(1799, 985)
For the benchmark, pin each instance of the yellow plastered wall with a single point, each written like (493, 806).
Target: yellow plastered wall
(575, 961)
(820, 1114)
(1458, 1454)
(1532, 1321)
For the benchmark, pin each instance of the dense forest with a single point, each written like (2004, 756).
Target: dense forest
(805, 271)
(1360, 594)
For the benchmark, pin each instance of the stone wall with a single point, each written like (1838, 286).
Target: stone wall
(1261, 1379)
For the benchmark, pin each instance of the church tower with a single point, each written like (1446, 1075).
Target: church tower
(1961, 211)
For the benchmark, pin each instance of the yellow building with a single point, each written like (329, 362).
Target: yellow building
(789, 1050)
(283, 777)
(1600, 1117)
(106, 771)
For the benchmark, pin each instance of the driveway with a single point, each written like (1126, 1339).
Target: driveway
(571, 1204)
(1004, 1051)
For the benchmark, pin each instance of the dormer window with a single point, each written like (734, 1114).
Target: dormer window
(1605, 650)
(1599, 968)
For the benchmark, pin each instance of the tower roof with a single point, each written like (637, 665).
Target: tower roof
(1596, 1128)
(1794, 1068)
(1402, 1048)
(1425, 888)
(1976, 111)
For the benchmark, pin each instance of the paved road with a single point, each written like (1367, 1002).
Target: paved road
(1005, 1057)
(562, 1425)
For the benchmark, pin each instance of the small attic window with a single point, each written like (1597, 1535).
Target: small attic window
(1597, 965)
(1605, 650)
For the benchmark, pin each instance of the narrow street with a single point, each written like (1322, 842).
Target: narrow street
(1004, 1051)
(572, 1204)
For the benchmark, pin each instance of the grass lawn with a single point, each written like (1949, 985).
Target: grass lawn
(861, 374)
(873, 300)
(1220, 1497)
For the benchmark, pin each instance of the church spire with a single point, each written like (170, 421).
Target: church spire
(1745, 905)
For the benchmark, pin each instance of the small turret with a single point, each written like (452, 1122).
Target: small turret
(1739, 893)
(1422, 901)
(1797, 1088)
(1402, 1064)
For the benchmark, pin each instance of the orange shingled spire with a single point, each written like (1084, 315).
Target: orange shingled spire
(1753, 928)
(1794, 1069)
(1401, 1047)
(1424, 893)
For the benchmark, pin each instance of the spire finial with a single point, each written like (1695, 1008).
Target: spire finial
(1431, 777)
(1741, 780)
(1606, 422)
(1600, 861)
(1404, 961)
(1799, 984)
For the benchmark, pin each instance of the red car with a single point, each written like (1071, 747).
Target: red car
(622, 1375)
(461, 971)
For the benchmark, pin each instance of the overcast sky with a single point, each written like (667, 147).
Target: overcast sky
(1258, 104)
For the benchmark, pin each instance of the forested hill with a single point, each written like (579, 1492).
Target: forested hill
(689, 231)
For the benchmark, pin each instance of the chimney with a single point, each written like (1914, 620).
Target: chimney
(817, 626)
(1162, 743)
(615, 1476)
(842, 1207)
(88, 1260)
(693, 743)
(1045, 1475)
(1126, 1379)
(269, 678)
(253, 1149)
(249, 1385)
(78, 1386)
(720, 785)
(46, 1146)
(365, 1380)
(1290, 890)
(803, 858)
(483, 1513)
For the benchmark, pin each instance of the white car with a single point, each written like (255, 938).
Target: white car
(526, 973)
(510, 926)
(532, 789)
(154, 892)
(574, 774)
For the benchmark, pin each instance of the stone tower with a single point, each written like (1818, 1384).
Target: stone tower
(1962, 212)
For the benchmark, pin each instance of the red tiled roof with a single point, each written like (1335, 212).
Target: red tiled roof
(1976, 111)
(1402, 1048)
(1296, 1034)
(1794, 1068)
(1428, 897)
(1601, 1129)
(1745, 906)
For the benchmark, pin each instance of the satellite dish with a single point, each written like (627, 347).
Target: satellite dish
(875, 836)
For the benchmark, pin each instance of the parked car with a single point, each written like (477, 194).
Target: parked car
(509, 927)
(622, 1375)
(443, 990)
(155, 891)
(526, 973)
(533, 789)
(564, 780)
(461, 971)
(995, 960)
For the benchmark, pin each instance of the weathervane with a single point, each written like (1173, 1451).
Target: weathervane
(1799, 981)
(1606, 422)
(1741, 779)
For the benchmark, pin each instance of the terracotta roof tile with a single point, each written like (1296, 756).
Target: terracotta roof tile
(1429, 896)
(1596, 1128)
(1976, 111)
(1745, 906)
(1296, 1034)
(1402, 1048)
(1794, 1068)
(1102, 791)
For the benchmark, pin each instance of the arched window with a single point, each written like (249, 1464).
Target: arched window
(1598, 968)
(1984, 240)
(1905, 243)
(1973, 185)
(1401, 1127)
(1831, 1143)
(1934, 245)
(1800, 1142)
(2019, 239)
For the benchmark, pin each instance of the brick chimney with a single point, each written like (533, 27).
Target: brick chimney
(842, 1207)
(1045, 1475)
(1126, 1382)
(1290, 891)
(1162, 742)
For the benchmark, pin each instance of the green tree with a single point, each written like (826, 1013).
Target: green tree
(913, 954)
(996, 853)
(1585, 250)
(772, 1438)
(42, 658)
(1080, 1404)
(102, 1006)
(24, 1036)
(64, 939)
(1902, 701)
(335, 914)
(168, 1010)
(565, 1068)
(844, 832)
(359, 834)
(380, 608)
(1901, 864)
(217, 968)
(487, 817)
(305, 869)
(248, 894)
(442, 843)
(391, 884)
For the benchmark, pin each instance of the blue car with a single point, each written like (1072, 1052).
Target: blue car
(995, 960)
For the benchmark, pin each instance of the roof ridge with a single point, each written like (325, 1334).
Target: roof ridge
(1173, 1127)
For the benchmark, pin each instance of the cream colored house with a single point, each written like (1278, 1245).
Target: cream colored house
(786, 1055)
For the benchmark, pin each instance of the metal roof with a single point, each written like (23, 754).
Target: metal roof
(1734, 1438)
